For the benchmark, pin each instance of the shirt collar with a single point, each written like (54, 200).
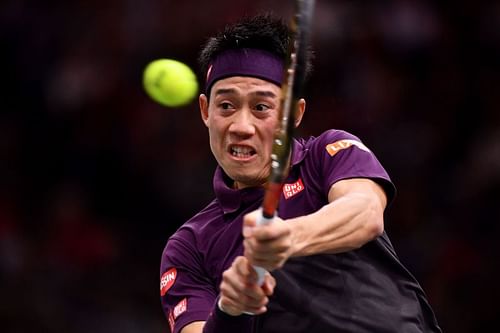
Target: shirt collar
(299, 151)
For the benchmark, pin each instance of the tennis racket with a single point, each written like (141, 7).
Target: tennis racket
(291, 92)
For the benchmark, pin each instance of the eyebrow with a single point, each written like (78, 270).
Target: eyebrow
(225, 91)
(229, 91)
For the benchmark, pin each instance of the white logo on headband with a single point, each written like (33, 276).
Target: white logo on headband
(208, 72)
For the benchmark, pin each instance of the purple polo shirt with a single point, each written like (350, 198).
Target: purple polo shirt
(365, 290)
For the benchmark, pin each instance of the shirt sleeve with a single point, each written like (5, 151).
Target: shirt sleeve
(344, 156)
(187, 292)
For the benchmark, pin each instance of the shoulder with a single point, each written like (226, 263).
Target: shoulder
(197, 225)
(336, 155)
(327, 145)
(188, 238)
(329, 136)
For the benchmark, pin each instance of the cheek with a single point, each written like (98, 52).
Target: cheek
(216, 134)
(271, 130)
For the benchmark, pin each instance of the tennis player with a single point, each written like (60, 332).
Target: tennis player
(333, 268)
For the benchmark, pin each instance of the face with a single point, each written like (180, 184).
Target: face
(241, 118)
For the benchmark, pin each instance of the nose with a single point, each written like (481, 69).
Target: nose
(242, 124)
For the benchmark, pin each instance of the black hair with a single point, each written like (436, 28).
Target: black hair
(263, 31)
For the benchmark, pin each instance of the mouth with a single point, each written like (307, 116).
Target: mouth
(241, 152)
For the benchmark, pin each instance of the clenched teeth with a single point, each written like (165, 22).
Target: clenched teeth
(240, 151)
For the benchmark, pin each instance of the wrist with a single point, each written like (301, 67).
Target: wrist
(225, 311)
(222, 322)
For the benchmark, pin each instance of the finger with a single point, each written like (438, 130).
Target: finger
(246, 270)
(253, 295)
(237, 277)
(270, 232)
(241, 304)
(245, 300)
(250, 219)
(266, 260)
(239, 283)
(269, 284)
(257, 254)
(229, 306)
(231, 286)
(269, 265)
(268, 246)
(235, 307)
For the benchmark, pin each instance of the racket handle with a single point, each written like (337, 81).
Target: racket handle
(261, 272)
(262, 220)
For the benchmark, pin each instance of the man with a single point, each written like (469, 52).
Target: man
(333, 268)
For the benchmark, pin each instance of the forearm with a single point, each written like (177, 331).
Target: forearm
(344, 224)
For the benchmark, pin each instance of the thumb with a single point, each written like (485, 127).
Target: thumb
(249, 222)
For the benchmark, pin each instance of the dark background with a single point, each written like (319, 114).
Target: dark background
(94, 176)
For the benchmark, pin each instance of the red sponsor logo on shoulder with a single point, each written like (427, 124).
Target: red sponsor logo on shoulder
(167, 280)
(180, 308)
(289, 190)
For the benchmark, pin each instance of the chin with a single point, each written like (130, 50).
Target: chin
(249, 181)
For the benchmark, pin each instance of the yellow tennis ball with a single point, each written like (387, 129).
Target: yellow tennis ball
(170, 82)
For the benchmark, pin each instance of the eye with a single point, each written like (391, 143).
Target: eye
(226, 106)
(262, 107)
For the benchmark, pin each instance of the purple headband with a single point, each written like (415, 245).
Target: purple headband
(245, 62)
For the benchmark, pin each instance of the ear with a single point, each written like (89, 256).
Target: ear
(203, 101)
(300, 111)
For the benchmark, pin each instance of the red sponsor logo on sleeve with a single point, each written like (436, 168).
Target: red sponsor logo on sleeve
(171, 321)
(167, 280)
(180, 308)
(289, 190)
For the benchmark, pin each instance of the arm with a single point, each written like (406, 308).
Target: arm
(194, 327)
(239, 293)
(353, 217)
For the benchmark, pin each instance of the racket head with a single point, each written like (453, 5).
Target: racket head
(291, 91)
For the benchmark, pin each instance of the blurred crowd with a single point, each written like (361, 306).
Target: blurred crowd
(94, 176)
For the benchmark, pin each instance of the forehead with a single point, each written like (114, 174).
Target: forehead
(244, 85)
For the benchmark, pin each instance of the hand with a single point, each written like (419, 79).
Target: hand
(239, 291)
(268, 246)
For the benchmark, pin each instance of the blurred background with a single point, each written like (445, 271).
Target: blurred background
(94, 176)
